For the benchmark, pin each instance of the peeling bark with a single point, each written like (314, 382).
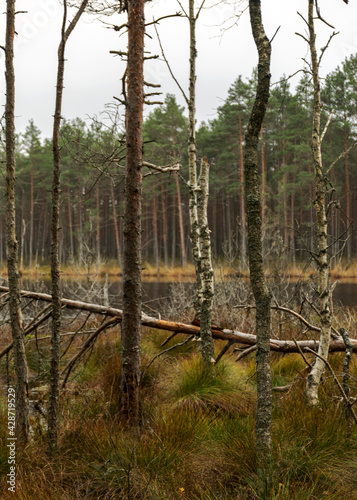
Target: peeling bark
(323, 261)
(199, 190)
(206, 269)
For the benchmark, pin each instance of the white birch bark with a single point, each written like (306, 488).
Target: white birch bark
(323, 263)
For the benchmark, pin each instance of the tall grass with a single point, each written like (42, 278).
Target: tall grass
(197, 439)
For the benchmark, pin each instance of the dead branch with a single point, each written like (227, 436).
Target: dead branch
(166, 168)
(237, 337)
(245, 353)
(347, 401)
(86, 346)
(169, 67)
(186, 341)
(223, 351)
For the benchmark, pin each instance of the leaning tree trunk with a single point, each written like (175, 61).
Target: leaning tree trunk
(55, 236)
(323, 263)
(254, 213)
(131, 325)
(22, 405)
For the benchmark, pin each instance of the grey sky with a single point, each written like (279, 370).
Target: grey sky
(92, 75)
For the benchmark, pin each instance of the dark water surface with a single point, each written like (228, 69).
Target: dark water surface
(155, 294)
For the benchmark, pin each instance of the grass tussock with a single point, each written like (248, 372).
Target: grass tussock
(197, 439)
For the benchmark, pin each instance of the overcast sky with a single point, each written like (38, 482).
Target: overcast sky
(92, 75)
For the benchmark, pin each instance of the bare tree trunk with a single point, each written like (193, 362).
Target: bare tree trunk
(116, 226)
(173, 231)
(131, 325)
(97, 237)
(323, 264)
(155, 234)
(181, 228)
(242, 207)
(164, 225)
(31, 215)
(254, 212)
(348, 200)
(55, 236)
(22, 405)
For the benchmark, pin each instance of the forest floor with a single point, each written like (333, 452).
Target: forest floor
(197, 437)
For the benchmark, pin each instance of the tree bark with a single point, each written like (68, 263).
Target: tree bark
(131, 325)
(116, 225)
(205, 267)
(22, 405)
(97, 223)
(243, 239)
(55, 236)
(323, 263)
(198, 204)
(348, 199)
(181, 228)
(164, 225)
(254, 213)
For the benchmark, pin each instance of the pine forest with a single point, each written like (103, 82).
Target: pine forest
(178, 295)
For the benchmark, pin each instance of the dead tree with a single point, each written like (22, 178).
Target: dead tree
(131, 324)
(253, 210)
(22, 406)
(55, 234)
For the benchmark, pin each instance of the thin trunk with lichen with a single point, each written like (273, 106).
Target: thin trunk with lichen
(131, 324)
(254, 213)
(323, 263)
(22, 404)
(53, 407)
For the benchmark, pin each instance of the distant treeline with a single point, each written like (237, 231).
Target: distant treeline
(93, 159)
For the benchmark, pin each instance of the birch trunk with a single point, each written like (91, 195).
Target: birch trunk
(131, 325)
(22, 405)
(323, 263)
(206, 269)
(254, 213)
(200, 233)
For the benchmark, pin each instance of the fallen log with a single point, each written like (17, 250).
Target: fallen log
(233, 336)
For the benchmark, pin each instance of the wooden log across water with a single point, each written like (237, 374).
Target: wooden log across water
(233, 336)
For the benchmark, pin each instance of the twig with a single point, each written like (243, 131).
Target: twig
(169, 67)
(164, 352)
(302, 354)
(245, 353)
(223, 351)
(347, 401)
(170, 337)
(327, 125)
(86, 346)
(342, 155)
